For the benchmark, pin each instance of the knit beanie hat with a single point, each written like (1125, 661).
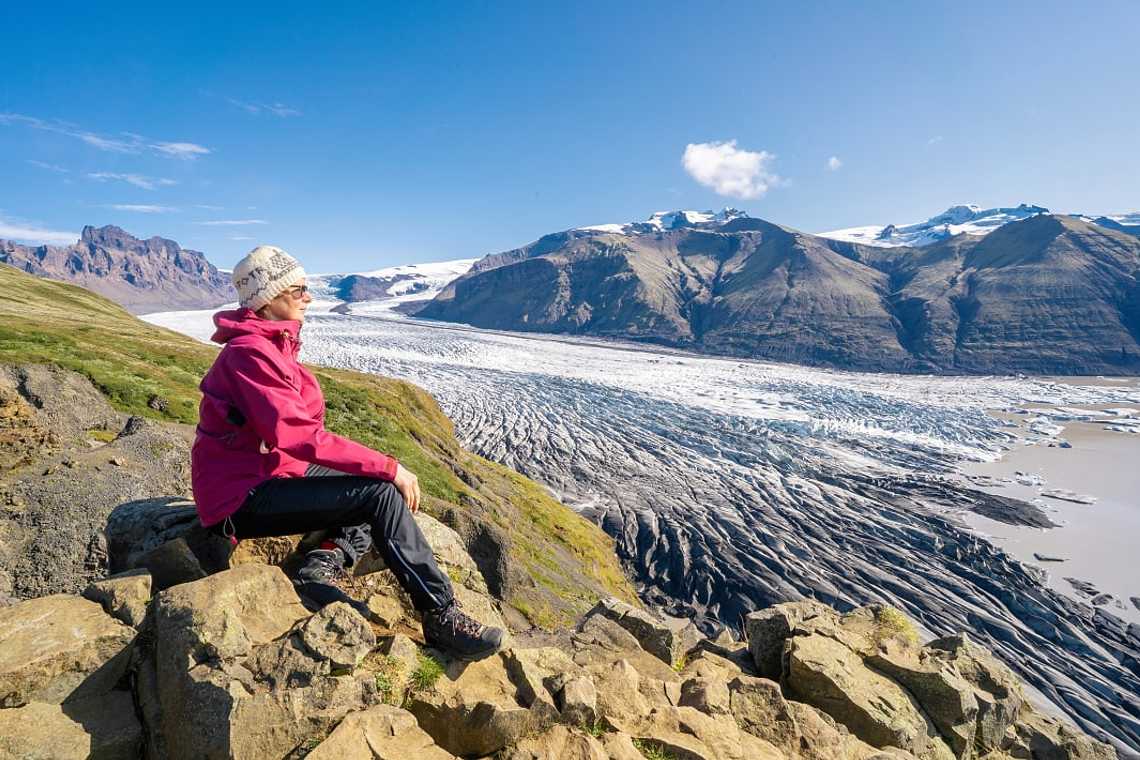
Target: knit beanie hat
(264, 274)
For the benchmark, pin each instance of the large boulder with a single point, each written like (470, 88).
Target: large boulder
(382, 732)
(60, 648)
(667, 640)
(997, 691)
(823, 672)
(234, 675)
(98, 728)
(945, 696)
(767, 629)
(472, 709)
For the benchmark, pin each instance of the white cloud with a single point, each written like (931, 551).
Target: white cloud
(50, 167)
(183, 150)
(138, 180)
(142, 208)
(834, 163)
(730, 170)
(128, 143)
(233, 222)
(30, 233)
(279, 110)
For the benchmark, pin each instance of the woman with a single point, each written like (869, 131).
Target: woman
(263, 464)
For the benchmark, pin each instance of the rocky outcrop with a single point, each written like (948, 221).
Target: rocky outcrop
(59, 649)
(745, 287)
(867, 672)
(143, 275)
(233, 666)
(74, 460)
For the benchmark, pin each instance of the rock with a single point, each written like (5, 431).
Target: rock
(620, 746)
(539, 674)
(578, 702)
(472, 709)
(124, 596)
(767, 629)
(402, 648)
(386, 610)
(709, 695)
(760, 709)
(997, 690)
(1040, 736)
(944, 695)
(669, 643)
(619, 692)
(825, 673)
(382, 732)
(559, 742)
(60, 648)
(97, 728)
(211, 704)
(599, 643)
(685, 732)
(706, 664)
(339, 634)
(170, 564)
(285, 663)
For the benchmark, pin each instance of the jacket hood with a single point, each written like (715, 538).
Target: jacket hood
(237, 322)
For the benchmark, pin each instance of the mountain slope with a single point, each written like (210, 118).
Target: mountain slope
(143, 275)
(545, 560)
(1045, 294)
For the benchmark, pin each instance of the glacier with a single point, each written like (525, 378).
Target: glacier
(729, 485)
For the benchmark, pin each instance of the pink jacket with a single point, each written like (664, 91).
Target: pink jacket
(262, 416)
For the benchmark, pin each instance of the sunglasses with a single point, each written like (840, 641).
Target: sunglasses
(298, 293)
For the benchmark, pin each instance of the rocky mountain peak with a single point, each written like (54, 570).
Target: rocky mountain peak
(142, 275)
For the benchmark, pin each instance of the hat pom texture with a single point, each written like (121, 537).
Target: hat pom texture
(264, 274)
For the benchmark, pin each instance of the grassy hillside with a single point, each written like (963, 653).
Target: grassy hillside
(562, 562)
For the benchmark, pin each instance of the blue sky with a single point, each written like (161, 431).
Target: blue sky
(419, 132)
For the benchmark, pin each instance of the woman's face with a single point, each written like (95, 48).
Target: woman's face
(291, 304)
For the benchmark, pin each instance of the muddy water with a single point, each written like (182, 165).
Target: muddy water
(1099, 543)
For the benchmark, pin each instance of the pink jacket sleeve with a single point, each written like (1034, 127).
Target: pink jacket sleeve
(276, 412)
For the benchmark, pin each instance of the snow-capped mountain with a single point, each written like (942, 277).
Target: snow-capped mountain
(1129, 223)
(390, 285)
(670, 220)
(968, 219)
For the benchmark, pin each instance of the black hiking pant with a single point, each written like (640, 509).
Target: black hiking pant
(357, 509)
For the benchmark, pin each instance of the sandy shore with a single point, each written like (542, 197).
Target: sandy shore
(1098, 542)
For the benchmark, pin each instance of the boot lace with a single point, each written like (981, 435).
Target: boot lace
(459, 622)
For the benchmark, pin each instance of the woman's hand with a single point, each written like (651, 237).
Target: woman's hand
(409, 487)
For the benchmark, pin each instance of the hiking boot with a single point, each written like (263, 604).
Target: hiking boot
(450, 630)
(316, 582)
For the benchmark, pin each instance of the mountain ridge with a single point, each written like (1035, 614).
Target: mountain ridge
(745, 287)
(156, 274)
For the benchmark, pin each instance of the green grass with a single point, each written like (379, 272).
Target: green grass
(428, 671)
(891, 623)
(571, 561)
(651, 750)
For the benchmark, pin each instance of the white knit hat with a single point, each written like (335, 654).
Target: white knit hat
(264, 274)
